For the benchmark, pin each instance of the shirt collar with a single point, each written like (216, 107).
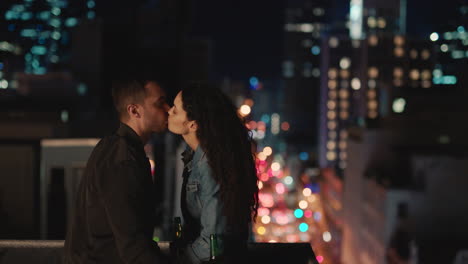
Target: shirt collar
(190, 157)
(130, 134)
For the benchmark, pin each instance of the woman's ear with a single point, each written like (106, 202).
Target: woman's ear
(193, 125)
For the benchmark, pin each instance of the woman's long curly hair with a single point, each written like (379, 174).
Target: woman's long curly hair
(229, 148)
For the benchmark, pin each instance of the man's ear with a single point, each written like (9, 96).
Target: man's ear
(133, 111)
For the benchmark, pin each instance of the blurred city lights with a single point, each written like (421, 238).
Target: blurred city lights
(298, 213)
(288, 180)
(303, 227)
(279, 188)
(303, 204)
(399, 105)
(245, 110)
(275, 166)
(267, 151)
(261, 230)
(266, 219)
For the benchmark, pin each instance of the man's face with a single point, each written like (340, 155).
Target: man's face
(178, 122)
(154, 109)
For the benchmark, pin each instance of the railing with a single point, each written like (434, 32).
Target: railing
(51, 252)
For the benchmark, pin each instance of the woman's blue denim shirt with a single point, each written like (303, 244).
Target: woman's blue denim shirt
(204, 205)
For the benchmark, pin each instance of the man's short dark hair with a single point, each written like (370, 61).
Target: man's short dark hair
(127, 91)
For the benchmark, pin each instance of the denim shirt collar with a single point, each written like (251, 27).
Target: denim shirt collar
(190, 157)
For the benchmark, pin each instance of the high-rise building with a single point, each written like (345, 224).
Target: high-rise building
(304, 22)
(367, 79)
(451, 50)
(38, 34)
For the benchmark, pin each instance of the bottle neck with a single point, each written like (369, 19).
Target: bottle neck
(213, 247)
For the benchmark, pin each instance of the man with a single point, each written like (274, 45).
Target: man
(114, 213)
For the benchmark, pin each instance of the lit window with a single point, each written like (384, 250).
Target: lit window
(331, 145)
(425, 54)
(399, 105)
(331, 115)
(373, 72)
(332, 94)
(426, 74)
(398, 40)
(331, 125)
(444, 47)
(398, 72)
(344, 74)
(371, 94)
(344, 83)
(332, 84)
(345, 62)
(372, 104)
(344, 115)
(426, 84)
(332, 134)
(318, 11)
(343, 155)
(372, 114)
(331, 104)
(373, 40)
(344, 104)
(372, 84)
(315, 50)
(397, 82)
(306, 27)
(331, 155)
(333, 42)
(371, 22)
(332, 73)
(344, 94)
(413, 54)
(356, 84)
(342, 145)
(381, 23)
(343, 134)
(414, 74)
(316, 72)
(399, 52)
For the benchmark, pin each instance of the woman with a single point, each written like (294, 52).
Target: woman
(219, 192)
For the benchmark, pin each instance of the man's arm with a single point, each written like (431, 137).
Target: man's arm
(123, 197)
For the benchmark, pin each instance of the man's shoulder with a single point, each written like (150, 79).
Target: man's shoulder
(115, 149)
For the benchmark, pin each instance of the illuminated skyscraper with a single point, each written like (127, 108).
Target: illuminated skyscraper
(38, 34)
(304, 23)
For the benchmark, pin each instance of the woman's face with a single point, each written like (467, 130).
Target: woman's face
(177, 121)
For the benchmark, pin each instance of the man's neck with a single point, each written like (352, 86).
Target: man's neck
(144, 136)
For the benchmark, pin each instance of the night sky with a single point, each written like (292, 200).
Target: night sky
(248, 35)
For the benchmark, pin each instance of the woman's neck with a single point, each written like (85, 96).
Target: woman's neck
(191, 140)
